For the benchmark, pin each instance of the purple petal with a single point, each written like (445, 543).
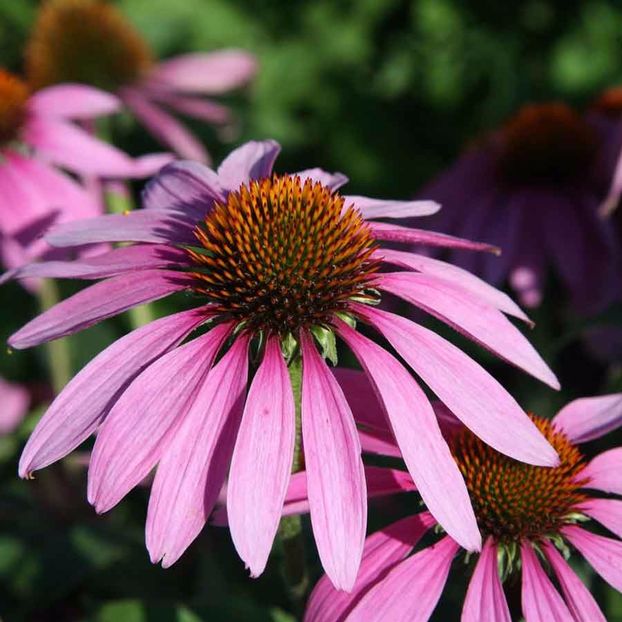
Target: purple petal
(15, 401)
(362, 398)
(379, 443)
(253, 160)
(381, 208)
(73, 101)
(608, 512)
(590, 417)
(603, 472)
(333, 181)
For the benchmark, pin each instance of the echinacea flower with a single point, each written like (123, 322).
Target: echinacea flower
(528, 516)
(276, 263)
(91, 42)
(531, 188)
(14, 402)
(37, 138)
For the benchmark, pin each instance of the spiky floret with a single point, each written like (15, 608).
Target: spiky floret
(87, 41)
(545, 144)
(283, 254)
(513, 500)
(13, 98)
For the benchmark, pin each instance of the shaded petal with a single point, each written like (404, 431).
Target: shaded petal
(73, 101)
(603, 472)
(335, 477)
(333, 181)
(193, 468)
(467, 389)
(146, 417)
(380, 443)
(15, 401)
(253, 160)
(262, 460)
(608, 512)
(82, 405)
(98, 302)
(381, 208)
(416, 430)
(203, 109)
(478, 320)
(588, 418)
(362, 398)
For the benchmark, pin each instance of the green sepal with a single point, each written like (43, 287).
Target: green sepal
(327, 341)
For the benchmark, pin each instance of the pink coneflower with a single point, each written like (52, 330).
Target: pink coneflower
(532, 189)
(276, 263)
(527, 515)
(90, 41)
(14, 402)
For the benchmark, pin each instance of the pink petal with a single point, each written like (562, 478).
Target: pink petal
(608, 512)
(253, 160)
(476, 319)
(97, 302)
(380, 208)
(336, 480)
(203, 109)
(146, 417)
(411, 590)
(151, 164)
(590, 417)
(383, 549)
(541, 601)
(73, 101)
(82, 405)
(578, 598)
(603, 554)
(333, 181)
(379, 443)
(211, 73)
(15, 401)
(603, 472)
(485, 600)
(416, 430)
(467, 389)
(362, 398)
(193, 468)
(262, 460)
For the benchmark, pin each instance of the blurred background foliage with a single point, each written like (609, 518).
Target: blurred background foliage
(388, 91)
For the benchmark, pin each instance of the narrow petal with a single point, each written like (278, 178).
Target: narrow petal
(603, 472)
(608, 512)
(333, 181)
(193, 468)
(379, 443)
(362, 398)
(253, 160)
(381, 208)
(262, 460)
(73, 101)
(15, 401)
(485, 600)
(203, 109)
(474, 318)
(98, 302)
(83, 404)
(590, 417)
(578, 598)
(335, 475)
(541, 601)
(146, 417)
(411, 590)
(382, 551)
(416, 430)
(467, 389)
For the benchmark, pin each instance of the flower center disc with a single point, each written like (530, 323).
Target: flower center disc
(513, 500)
(87, 41)
(283, 254)
(546, 144)
(610, 102)
(13, 98)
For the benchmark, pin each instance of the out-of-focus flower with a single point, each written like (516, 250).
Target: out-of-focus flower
(527, 515)
(14, 402)
(276, 263)
(532, 189)
(91, 42)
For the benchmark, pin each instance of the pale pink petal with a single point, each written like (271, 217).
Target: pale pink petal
(608, 512)
(603, 472)
(541, 601)
(485, 600)
(210, 73)
(203, 109)
(193, 468)
(381, 208)
(97, 302)
(262, 460)
(336, 481)
(253, 160)
(73, 101)
(467, 389)
(151, 164)
(578, 598)
(15, 401)
(411, 590)
(333, 181)
(603, 554)
(382, 550)
(590, 417)
(82, 405)
(145, 418)
(416, 430)
(474, 318)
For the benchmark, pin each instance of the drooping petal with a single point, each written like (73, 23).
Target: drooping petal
(411, 590)
(417, 433)
(608, 512)
(603, 472)
(253, 160)
(15, 400)
(362, 398)
(383, 550)
(203, 109)
(603, 554)
(333, 181)
(478, 320)
(73, 101)
(146, 416)
(82, 405)
(381, 208)
(262, 460)
(467, 389)
(193, 468)
(485, 600)
(335, 476)
(578, 598)
(588, 418)
(541, 601)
